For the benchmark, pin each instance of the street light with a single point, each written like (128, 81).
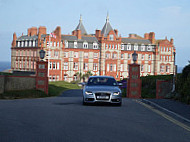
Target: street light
(134, 56)
(42, 54)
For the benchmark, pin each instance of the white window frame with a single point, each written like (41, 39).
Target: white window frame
(95, 66)
(75, 44)
(142, 68)
(85, 45)
(65, 54)
(86, 55)
(142, 47)
(75, 54)
(95, 45)
(111, 37)
(25, 43)
(65, 67)
(149, 68)
(149, 48)
(128, 46)
(18, 43)
(135, 47)
(122, 46)
(116, 46)
(121, 67)
(66, 44)
(108, 67)
(33, 43)
(54, 44)
(57, 65)
(95, 55)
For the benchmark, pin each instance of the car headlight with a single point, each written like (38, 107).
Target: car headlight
(88, 93)
(116, 93)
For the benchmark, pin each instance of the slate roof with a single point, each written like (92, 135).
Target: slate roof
(107, 27)
(81, 27)
(26, 37)
(74, 38)
(133, 41)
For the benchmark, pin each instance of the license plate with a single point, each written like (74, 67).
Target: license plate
(102, 97)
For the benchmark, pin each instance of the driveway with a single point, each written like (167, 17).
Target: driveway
(65, 119)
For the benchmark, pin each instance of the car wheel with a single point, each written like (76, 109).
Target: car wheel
(119, 104)
(84, 103)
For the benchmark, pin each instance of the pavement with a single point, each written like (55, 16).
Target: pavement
(176, 109)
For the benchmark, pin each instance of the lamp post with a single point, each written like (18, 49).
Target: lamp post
(134, 56)
(174, 73)
(42, 54)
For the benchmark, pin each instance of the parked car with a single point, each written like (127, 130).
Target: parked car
(102, 89)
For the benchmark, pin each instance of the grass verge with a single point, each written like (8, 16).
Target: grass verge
(55, 89)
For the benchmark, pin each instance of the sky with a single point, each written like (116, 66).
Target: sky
(169, 18)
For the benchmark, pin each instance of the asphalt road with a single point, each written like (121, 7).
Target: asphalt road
(65, 119)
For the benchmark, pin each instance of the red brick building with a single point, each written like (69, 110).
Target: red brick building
(102, 53)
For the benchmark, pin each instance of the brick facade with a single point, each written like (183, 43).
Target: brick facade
(102, 53)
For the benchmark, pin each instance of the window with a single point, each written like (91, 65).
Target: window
(162, 68)
(167, 68)
(48, 53)
(22, 44)
(75, 54)
(33, 44)
(149, 48)
(129, 56)
(50, 78)
(166, 58)
(135, 47)
(121, 67)
(114, 56)
(18, 43)
(129, 46)
(57, 65)
(66, 44)
(114, 67)
(95, 66)
(121, 56)
(75, 66)
(30, 43)
(142, 57)
(106, 46)
(57, 77)
(75, 44)
(116, 46)
(86, 55)
(149, 57)
(111, 67)
(142, 68)
(50, 65)
(75, 78)
(47, 43)
(56, 53)
(50, 43)
(107, 55)
(148, 68)
(95, 55)
(142, 47)
(57, 44)
(170, 49)
(95, 46)
(85, 45)
(122, 46)
(161, 58)
(110, 46)
(113, 46)
(65, 55)
(54, 78)
(167, 49)
(65, 77)
(85, 67)
(169, 58)
(26, 44)
(54, 65)
(108, 67)
(164, 49)
(111, 37)
(54, 44)
(65, 67)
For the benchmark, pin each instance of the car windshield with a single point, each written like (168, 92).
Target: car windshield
(102, 81)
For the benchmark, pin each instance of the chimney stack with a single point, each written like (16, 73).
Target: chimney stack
(14, 40)
(32, 31)
(42, 30)
(78, 34)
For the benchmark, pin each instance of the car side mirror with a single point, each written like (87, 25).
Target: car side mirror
(120, 84)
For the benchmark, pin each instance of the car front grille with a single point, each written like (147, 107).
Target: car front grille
(102, 96)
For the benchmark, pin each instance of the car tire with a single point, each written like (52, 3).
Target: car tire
(119, 104)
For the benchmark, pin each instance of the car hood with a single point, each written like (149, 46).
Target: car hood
(102, 88)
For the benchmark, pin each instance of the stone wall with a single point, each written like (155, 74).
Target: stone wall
(11, 83)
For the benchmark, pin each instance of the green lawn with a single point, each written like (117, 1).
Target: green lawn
(55, 89)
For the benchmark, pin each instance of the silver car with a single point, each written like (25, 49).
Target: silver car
(102, 89)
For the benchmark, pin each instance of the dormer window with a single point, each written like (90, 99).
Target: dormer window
(75, 44)
(30, 43)
(149, 48)
(111, 37)
(128, 46)
(25, 43)
(33, 44)
(22, 43)
(18, 43)
(85, 45)
(66, 44)
(95, 46)
(122, 46)
(135, 47)
(142, 47)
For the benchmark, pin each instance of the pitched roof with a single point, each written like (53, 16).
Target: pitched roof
(74, 38)
(81, 27)
(107, 27)
(133, 41)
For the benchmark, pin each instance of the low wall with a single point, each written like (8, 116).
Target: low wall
(11, 83)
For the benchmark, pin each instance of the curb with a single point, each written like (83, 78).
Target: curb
(166, 110)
